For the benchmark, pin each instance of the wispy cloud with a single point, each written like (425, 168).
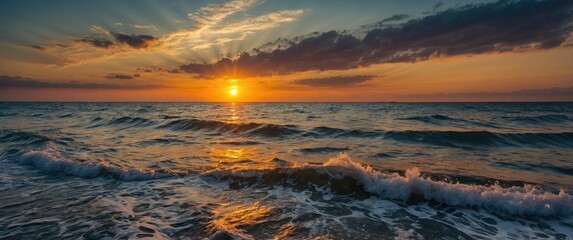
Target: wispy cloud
(212, 29)
(209, 27)
(332, 82)
(214, 14)
(470, 29)
(7, 82)
(94, 41)
(35, 47)
(120, 76)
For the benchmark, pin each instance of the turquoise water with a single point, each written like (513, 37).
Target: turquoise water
(286, 170)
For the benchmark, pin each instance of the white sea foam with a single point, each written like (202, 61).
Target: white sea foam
(48, 161)
(526, 201)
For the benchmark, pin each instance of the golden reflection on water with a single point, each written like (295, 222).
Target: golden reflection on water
(234, 113)
(233, 158)
(231, 218)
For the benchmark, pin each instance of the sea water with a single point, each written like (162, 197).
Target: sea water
(286, 170)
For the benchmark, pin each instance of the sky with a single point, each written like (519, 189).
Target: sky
(286, 51)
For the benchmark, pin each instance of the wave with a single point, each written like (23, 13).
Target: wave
(160, 141)
(23, 137)
(429, 118)
(132, 122)
(482, 138)
(438, 119)
(250, 129)
(8, 114)
(342, 133)
(49, 162)
(542, 119)
(343, 176)
(320, 150)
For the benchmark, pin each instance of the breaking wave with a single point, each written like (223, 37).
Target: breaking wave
(49, 162)
(343, 176)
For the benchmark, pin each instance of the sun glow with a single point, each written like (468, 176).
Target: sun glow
(233, 91)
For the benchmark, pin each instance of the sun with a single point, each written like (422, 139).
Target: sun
(233, 92)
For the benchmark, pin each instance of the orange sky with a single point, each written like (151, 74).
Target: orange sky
(199, 58)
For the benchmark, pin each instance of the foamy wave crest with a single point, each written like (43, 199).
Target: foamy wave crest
(527, 200)
(344, 176)
(50, 163)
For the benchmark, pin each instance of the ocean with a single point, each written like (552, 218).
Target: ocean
(286, 170)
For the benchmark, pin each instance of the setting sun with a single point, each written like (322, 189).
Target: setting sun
(233, 91)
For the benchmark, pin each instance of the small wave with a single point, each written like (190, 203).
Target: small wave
(482, 138)
(322, 150)
(49, 162)
(132, 122)
(8, 114)
(343, 176)
(250, 129)
(342, 133)
(438, 119)
(23, 137)
(69, 115)
(240, 143)
(542, 119)
(160, 141)
(96, 119)
(431, 118)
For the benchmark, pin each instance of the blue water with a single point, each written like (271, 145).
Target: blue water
(286, 170)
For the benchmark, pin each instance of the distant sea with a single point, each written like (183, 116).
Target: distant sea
(286, 170)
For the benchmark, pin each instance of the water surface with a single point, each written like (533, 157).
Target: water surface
(286, 170)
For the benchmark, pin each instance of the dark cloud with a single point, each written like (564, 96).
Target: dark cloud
(437, 6)
(501, 26)
(134, 41)
(338, 81)
(120, 76)
(143, 70)
(395, 18)
(96, 42)
(36, 47)
(20, 82)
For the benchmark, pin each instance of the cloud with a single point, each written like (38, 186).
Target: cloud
(96, 42)
(143, 70)
(266, 21)
(36, 47)
(213, 14)
(120, 76)
(437, 6)
(501, 26)
(140, 26)
(7, 82)
(99, 29)
(396, 18)
(338, 81)
(134, 41)
(212, 29)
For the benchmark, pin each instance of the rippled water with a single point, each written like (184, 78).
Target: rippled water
(286, 170)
